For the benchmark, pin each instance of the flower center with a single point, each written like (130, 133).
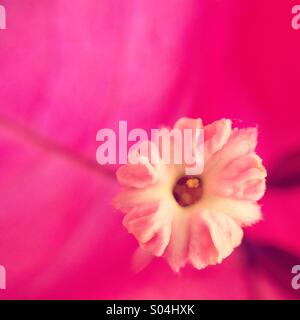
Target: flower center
(188, 190)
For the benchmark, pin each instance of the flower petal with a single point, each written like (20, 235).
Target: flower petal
(137, 175)
(225, 233)
(202, 251)
(243, 178)
(177, 251)
(244, 213)
(130, 198)
(216, 135)
(240, 142)
(151, 227)
(188, 123)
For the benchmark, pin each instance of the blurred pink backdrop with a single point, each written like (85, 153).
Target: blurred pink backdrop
(70, 68)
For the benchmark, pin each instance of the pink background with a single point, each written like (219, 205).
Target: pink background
(70, 68)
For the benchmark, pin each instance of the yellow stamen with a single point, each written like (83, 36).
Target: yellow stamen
(192, 183)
